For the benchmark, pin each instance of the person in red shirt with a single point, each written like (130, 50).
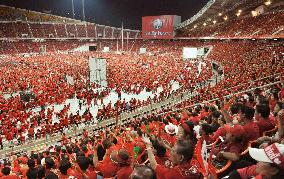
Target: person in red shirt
(250, 127)
(262, 113)
(232, 146)
(205, 131)
(270, 163)
(119, 165)
(83, 163)
(221, 131)
(186, 132)
(161, 156)
(6, 171)
(181, 155)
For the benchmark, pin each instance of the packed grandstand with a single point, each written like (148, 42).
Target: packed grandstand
(219, 115)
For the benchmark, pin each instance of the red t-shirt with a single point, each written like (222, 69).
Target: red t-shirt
(108, 169)
(236, 148)
(247, 172)
(164, 161)
(265, 125)
(184, 171)
(221, 131)
(251, 130)
(124, 172)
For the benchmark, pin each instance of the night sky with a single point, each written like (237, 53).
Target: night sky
(113, 12)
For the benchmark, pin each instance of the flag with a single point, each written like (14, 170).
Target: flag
(136, 150)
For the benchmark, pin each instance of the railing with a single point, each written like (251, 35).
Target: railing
(242, 92)
(196, 16)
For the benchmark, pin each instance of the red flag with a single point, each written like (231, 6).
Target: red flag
(199, 158)
(211, 168)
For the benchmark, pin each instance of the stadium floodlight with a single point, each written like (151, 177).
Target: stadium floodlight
(253, 13)
(267, 3)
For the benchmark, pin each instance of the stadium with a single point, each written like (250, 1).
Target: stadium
(148, 92)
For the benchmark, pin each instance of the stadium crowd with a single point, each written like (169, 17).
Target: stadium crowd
(170, 148)
(165, 145)
(214, 134)
(45, 78)
(241, 27)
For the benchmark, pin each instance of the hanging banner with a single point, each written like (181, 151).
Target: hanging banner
(158, 27)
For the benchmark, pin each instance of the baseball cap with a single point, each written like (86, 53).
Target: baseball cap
(271, 154)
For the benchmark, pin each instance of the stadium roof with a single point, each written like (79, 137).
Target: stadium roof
(221, 8)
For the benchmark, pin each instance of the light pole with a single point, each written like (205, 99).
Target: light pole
(73, 13)
(83, 9)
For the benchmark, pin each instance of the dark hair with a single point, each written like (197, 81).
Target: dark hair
(6, 171)
(186, 149)
(49, 163)
(101, 152)
(106, 143)
(263, 110)
(90, 158)
(207, 128)
(263, 100)
(40, 171)
(216, 114)
(84, 148)
(83, 162)
(69, 150)
(275, 95)
(58, 148)
(248, 112)
(114, 140)
(51, 175)
(64, 165)
(139, 132)
(235, 108)
(280, 174)
(190, 133)
(144, 172)
(31, 163)
(32, 173)
(161, 150)
(206, 108)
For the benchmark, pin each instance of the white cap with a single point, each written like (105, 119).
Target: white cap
(171, 129)
(270, 154)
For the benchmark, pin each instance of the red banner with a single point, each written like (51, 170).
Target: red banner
(158, 27)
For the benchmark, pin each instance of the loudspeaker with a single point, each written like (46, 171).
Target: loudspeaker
(92, 48)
